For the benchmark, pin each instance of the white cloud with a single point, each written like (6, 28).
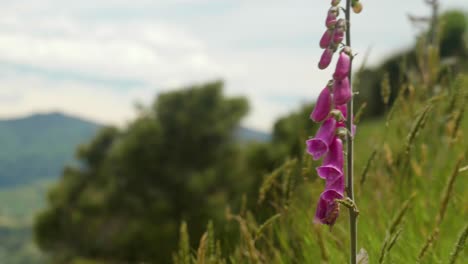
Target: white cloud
(266, 50)
(151, 52)
(94, 103)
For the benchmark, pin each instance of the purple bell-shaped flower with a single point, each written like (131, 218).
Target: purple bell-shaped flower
(322, 106)
(341, 91)
(326, 39)
(326, 58)
(342, 67)
(332, 166)
(328, 208)
(320, 144)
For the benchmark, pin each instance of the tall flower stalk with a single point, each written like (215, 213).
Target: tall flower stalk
(334, 109)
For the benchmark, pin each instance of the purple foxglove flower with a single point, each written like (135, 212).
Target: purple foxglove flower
(341, 91)
(331, 17)
(332, 166)
(342, 67)
(322, 106)
(338, 36)
(326, 58)
(326, 39)
(328, 209)
(319, 145)
(337, 184)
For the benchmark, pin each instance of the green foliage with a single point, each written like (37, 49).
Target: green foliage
(453, 27)
(17, 207)
(177, 161)
(407, 66)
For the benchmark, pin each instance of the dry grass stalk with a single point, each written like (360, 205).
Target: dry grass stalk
(271, 179)
(429, 241)
(201, 252)
(397, 103)
(442, 210)
(392, 236)
(417, 126)
(320, 241)
(459, 246)
(417, 170)
(388, 154)
(399, 217)
(458, 120)
(252, 253)
(385, 90)
(424, 154)
(183, 256)
(394, 239)
(463, 169)
(448, 192)
(367, 167)
(267, 223)
(359, 112)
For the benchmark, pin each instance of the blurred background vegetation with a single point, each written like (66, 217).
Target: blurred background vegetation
(185, 183)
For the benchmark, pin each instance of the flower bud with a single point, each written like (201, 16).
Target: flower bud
(326, 58)
(357, 7)
(322, 106)
(341, 91)
(319, 145)
(341, 125)
(326, 39)
(342, 132)
(342, 67)
(335, 2)
(338, 33)
(338, 37)
(331, 21)
(343, 109)
(338, 115)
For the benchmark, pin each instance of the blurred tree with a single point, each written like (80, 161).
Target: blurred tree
(176, 161)
(452, 39)
(404, 66)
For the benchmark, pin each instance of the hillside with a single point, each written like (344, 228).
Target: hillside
(34, 151)
(250, 135)
(39, 145)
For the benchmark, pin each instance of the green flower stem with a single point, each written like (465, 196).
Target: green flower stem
(350, 150)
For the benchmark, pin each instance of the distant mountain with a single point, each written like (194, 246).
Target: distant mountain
(38, 146)
(249, 135)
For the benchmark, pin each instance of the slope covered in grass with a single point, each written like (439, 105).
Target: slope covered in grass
(413, 202)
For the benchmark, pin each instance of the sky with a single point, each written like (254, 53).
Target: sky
(96, 59)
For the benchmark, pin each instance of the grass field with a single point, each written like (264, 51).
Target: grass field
(18, 205)
(413, 202)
